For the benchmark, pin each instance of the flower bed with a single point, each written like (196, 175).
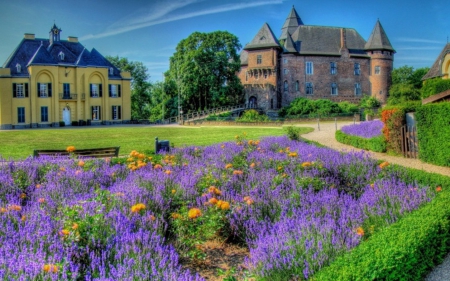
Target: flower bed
(366, 135)
(296, 206)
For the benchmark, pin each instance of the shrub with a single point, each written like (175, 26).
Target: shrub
(293, 133)
(62, 123)
(348, 107)
(74, 123)
(433, 130)
(377, 144)
(252, 116)
(434, 86)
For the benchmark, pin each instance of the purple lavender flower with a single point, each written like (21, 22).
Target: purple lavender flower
(367, 129)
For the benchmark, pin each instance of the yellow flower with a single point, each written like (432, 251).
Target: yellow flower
(306, 164)
(293, 154)
(70, 149)
(3, 210)
(194, 213)
(225, 205)
(137, 208)
(173, 191)
(50, 268)
(65, 232)
(176, 216)
(213, 201)
(222, 146)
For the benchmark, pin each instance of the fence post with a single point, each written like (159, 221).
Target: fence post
(335, 123)
(318, 123)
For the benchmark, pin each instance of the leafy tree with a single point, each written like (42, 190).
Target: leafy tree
(369, 102)
(407, 75)
(325, 107)
(204, 68)
(140, 86)
(401, 93)
(348, 107)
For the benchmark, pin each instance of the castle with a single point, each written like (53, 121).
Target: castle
(316, 62)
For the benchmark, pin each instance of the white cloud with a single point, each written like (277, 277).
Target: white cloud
(419, 40)
(159, 16)
(418, 48)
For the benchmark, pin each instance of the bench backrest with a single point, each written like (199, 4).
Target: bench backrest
(92, 152)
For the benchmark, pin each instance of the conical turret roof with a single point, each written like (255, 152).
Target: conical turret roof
(378, 40)
(293, 20)
(263, 39)
(289, 46)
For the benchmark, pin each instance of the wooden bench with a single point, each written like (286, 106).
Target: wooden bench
(92, 152)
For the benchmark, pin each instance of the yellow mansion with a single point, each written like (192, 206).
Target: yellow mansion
(47, 82)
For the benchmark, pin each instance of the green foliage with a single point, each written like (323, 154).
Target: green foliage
(377, 144)
(433, 129)
(252, 115)
(435, 86)
(401, 93)
(221, 116)
(140, 86)
(369, 102)
(293, 133)
(406, 75)
(406, 250)
(320, 107)
(348, 107)
(203, 70)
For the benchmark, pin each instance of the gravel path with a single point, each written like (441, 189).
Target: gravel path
(325, 136)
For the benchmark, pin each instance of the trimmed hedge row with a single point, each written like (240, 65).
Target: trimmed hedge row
(377, 144)
(433, 133)
(406, 250)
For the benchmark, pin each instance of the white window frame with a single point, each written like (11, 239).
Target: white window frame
(111, 71)
(20, 93)
(334, 89)
(309, 68)
(114, 92)
(95, 91)
(95, 112)
(43, 90)
(258, 59)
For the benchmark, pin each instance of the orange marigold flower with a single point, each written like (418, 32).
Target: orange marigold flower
(306, 164)
(3, 210)
(120, 194)
(41, 200)
(225, 205)
(279, 168)
(250, 142)
(438, 189)
(252, 165)
(137, 208)
(384, 164)
(293, 154)
(23, 218)
(168, 172)
(38, 186)
(237, 172)
(194, 213)
(15, 208)
(372, 185)
(70, 149)
(249, 201)
(157, 166)
(81, 163)
(75, 226)
(52, 268)
(228, 166)
(62, 169)
(360, 231)
(23, 196)
(65, 232)
(213, 201)
(222, 146)
(176, 216)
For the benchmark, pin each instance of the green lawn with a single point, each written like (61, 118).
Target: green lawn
(19, 144)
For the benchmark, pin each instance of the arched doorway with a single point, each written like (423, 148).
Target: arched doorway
(252, 102)
(66, 115)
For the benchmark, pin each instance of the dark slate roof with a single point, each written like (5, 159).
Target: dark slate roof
(436, 68)
(378, 40)
(290, 25)
(289, 46)
(244, 57)
(263, 39)
(323, 40)
(40, 51)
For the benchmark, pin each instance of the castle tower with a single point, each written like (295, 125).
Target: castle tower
(293, 20)
(54, 34)
(380, 50)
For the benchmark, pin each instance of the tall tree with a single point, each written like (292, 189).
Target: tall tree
(406, 84)
(140, 86)
(204, 68)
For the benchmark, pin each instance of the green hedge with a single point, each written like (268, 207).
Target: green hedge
(406, 250)
(433, 133)
(377, 144)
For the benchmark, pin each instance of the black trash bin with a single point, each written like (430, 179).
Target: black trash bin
(88, 122)
(163, 145)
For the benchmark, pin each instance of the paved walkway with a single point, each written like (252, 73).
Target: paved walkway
(325, 136)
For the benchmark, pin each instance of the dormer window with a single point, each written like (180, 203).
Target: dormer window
(61, 55)
(111, 71)
(18, 68)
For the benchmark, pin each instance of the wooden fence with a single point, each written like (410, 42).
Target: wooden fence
(410, 145)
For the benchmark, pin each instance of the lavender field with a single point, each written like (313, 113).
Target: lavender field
(294, 205)
(367, 129)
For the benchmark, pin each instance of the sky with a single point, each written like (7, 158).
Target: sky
(149, 30)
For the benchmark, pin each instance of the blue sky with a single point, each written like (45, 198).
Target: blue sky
(149, 31)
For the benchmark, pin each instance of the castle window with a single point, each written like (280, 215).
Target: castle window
(18, 68)
(21, 115)
(20, 90)
(357, 89)
(377, 69)
(309, 88)
(297, 87)
(258, 59)
(357, 69)
(96, 90)
(44, 90)
(285, 60)
(309, 68)
(285, 71)
(286, 86)
(44, 114)
(265, 74)
(111, 71)
(333, 68)
(61, 55)
(334, 89)
(96, 112)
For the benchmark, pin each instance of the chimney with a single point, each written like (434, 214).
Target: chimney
(72, 39)
(29, 36)
(343, 39)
